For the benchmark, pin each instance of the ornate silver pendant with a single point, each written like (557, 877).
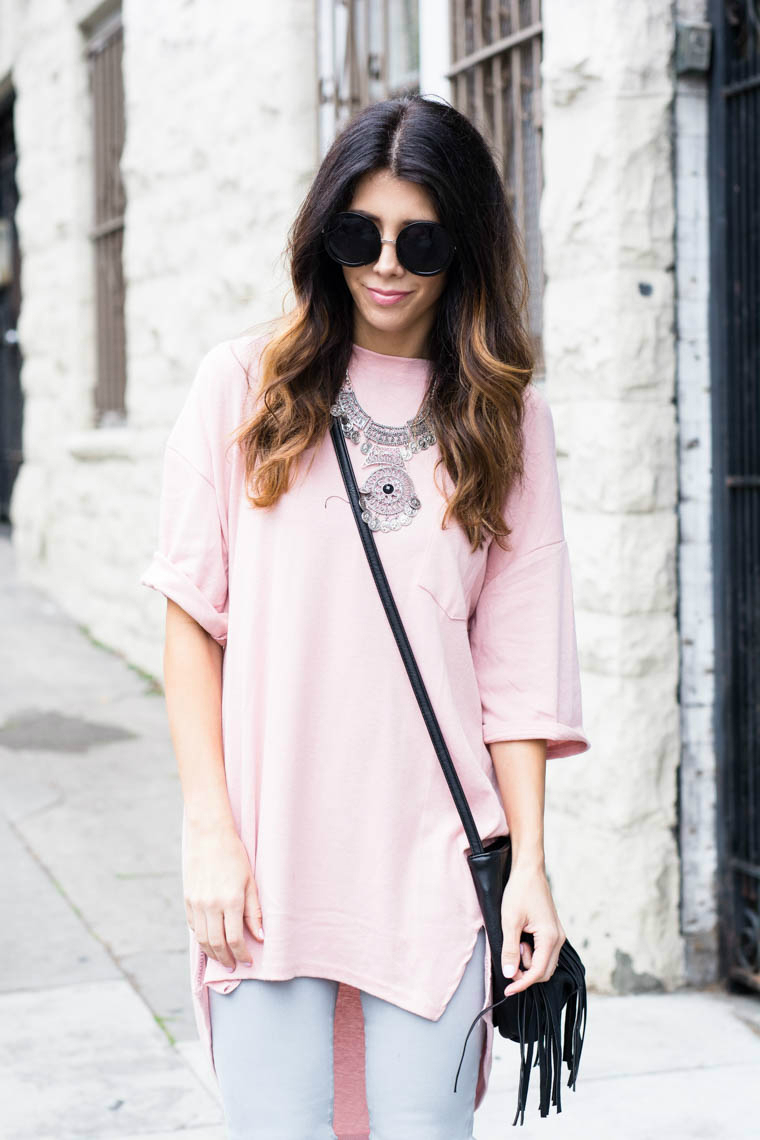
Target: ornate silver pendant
(388, 498)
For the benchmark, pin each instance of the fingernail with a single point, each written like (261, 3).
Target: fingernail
(247, 963)
(261, 932)
(229, 969)
(509, 969)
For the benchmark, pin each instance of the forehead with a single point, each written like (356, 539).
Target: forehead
(383, 197)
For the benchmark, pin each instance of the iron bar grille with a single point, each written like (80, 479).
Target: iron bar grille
(104, 54)
(496, 81)
(11, 395)
(369, 50)
(735, 198)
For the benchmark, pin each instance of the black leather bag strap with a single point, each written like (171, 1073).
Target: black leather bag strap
(389, 604)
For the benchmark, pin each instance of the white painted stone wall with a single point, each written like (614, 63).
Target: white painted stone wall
(220, 150)
(699, 917)
(607, 218)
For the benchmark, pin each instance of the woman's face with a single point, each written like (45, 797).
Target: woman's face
(403, 321)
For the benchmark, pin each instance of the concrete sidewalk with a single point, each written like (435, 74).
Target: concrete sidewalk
(97, 1037)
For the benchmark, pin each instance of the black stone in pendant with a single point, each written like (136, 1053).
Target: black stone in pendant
(386, 496)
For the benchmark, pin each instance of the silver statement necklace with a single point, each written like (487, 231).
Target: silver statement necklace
(388, 498)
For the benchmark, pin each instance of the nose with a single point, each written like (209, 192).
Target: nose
(388, 261)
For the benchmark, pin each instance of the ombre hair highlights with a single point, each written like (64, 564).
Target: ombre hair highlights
(479, 345)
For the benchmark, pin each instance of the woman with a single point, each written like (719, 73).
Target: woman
(321, 846)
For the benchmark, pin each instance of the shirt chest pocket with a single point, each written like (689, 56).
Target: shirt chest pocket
(451, 572)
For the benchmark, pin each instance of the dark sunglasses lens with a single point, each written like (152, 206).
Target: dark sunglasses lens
(352, 240)
(424, 247)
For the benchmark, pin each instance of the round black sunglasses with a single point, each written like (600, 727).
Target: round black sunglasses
(424, 248)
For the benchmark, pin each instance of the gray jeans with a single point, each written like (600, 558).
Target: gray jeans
(273, 1053)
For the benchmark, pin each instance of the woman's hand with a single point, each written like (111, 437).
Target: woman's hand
(527, 905)
(220, 893)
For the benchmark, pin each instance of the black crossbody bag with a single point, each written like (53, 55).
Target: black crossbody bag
(532, 1016)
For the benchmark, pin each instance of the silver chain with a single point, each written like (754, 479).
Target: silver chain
(388, 498)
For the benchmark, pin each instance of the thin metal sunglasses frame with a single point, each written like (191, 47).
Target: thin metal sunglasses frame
(390, 241)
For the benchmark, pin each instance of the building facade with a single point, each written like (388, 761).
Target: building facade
(153, 157)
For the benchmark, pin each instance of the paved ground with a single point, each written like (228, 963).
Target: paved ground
(97, 1038)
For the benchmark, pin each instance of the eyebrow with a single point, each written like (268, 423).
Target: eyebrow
(405, 222)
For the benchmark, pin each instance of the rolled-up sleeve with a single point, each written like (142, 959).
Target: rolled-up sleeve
(522, 632)
(190, 562)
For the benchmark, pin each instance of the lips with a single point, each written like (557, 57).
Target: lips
(381, 297)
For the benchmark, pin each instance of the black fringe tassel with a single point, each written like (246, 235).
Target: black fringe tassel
(540, 1005)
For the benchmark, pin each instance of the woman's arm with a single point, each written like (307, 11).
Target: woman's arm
(193, 687)
(520, 767)
(527, 904)
(219, 887)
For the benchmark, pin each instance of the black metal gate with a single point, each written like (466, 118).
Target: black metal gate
(735, 366)
(11, 401)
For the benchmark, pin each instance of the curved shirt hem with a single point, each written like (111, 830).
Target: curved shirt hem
(201, 1004)
(316, 968)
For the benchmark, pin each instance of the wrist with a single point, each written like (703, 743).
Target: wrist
(204, 822)
(528, 859)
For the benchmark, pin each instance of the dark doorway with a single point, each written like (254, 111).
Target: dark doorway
(735, 367)
(11, 400)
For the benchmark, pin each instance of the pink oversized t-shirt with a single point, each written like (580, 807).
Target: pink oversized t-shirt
(357, 849)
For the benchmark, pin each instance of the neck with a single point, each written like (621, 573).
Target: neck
(408, 342)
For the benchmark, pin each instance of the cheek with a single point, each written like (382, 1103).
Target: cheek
(350, 276)
(432, 289)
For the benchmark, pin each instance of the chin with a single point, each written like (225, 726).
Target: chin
(386, 322)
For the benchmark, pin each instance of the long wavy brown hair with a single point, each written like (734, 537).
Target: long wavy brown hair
(479, 346)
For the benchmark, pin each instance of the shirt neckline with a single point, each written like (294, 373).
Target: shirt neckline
(369, 352)
(389, 388)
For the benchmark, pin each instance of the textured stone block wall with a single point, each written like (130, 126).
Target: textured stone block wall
(607, 219)
(220, 148)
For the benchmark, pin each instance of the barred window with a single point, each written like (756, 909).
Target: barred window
(104, 56)
(370, 50)
(496, 80)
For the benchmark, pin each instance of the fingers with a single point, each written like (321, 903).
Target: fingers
(217, 939)
(233, 925)
(541, 963)
(233, 922)
(252, 911)
(510, 953)
(221, 898)
(198, 927)
(220, 931)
